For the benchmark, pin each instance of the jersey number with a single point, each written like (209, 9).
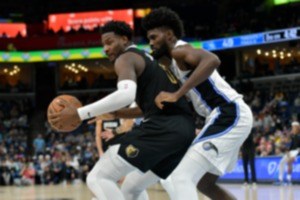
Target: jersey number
(170, 75)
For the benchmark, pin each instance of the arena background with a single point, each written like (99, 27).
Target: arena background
(53, 47)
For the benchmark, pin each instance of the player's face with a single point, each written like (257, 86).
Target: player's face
(113, 45)
(295, 129)
(158, 42)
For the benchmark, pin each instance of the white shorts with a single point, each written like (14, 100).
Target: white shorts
(225, 130)
(293, 153)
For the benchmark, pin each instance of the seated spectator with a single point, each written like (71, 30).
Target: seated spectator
(47, 175)
(265, 147)
(56, 170)
(27, 174)
(70, 170)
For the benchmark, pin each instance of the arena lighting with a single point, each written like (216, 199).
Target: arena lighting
(281, 2)
(12, 70)
(141, 12)
(76, 68)
(258, 51)
(11, 30)
(275, 36)
(88, 20)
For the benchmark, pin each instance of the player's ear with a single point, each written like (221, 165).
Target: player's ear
(169, 34)
(124, 40)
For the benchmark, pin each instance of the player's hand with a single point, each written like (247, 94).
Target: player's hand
(107, 116)
(165, 97)
(68, 114)
(107, 135)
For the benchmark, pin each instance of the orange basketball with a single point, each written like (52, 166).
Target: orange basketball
(55, 107)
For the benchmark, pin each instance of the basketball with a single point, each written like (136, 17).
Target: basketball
(54, 107)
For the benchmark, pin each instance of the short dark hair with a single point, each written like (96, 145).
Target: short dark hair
(119, 28)
(164, 17)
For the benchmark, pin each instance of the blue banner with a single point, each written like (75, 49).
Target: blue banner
(267, 169)
(253, 39)
(233, 42)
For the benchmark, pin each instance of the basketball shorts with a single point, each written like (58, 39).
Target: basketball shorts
(158, 143)
(225, 130)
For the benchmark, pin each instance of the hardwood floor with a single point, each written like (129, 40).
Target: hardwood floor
(156, 192)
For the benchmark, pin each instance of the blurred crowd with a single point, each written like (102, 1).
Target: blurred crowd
(67, 158)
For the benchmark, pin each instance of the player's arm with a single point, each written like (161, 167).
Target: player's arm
(201, 61)
(129, 113)
(125, 94)
(98, 137)
(126, 126)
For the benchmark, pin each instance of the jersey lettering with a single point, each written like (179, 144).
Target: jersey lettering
(170, 75)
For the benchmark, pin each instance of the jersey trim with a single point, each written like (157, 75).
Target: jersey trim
(221, 124)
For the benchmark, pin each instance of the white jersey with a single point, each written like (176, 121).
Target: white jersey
(212, 93)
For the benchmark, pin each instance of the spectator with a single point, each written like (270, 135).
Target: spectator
(39, 145)
(290, 156)
(248, 156)
(27, 174)
(56, 170)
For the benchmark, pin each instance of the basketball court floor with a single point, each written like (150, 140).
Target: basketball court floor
(80, 192)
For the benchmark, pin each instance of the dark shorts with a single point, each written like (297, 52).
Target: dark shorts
(158, 144)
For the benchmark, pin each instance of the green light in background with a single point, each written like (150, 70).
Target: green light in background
(280, 2)
(62, 55)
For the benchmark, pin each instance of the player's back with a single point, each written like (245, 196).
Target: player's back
(154, 79)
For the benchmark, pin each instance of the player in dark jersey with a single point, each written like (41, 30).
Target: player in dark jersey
(158, 144)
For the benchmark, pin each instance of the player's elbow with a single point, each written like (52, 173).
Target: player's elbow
(127, 90)
(129, 97)
(215, 61)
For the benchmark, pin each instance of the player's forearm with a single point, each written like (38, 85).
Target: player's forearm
(201, 73)
(98, 137)
(124, 96)
(99, 146)
(129, 113)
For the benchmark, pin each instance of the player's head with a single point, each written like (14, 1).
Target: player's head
(163, 27)
(116, 36)
(295, 127)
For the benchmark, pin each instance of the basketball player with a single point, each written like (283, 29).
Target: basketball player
(228, 118)
(291, 155)
(107, 133)
(157, 145)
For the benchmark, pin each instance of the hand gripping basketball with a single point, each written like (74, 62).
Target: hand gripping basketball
(62, 113)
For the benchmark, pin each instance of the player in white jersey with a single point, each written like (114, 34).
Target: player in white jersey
(228, 118)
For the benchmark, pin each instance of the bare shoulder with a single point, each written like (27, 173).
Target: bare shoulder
(130, 62)
(128, 57)
(181, 51)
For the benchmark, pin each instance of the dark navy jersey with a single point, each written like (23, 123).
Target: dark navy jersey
(154, 79)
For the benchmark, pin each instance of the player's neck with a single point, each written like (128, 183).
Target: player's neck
(129, 45)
